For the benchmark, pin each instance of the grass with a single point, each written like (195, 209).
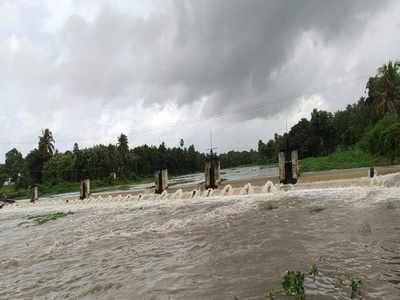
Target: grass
(313, 271)
(13, 193)
(42, 219)
(348, 159)
(59, 188)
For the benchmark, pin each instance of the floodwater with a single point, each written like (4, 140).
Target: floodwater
(217, 247)
(231, 174)
(193, 179)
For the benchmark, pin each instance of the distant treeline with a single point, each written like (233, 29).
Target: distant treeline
(101, 162)
(371, 124)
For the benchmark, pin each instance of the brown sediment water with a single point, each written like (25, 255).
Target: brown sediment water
(205, 248)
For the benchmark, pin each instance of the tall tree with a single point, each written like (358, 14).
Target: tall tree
(384, 89)
(123, 156)
(46, 144)
(123, 146)
(76, 148)
(34, 163)
(3, 174)
(14, 164)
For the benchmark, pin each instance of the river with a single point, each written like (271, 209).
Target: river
(220, 247)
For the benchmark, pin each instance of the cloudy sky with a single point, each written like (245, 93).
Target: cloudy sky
(165, 70)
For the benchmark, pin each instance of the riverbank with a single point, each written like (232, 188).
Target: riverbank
(345, 159)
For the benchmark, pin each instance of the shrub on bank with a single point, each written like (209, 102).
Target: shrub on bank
(347, 159)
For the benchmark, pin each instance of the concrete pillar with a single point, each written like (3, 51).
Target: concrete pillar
(35, 193)
(372, 172)
(212, 168)
(161, 180)
(288, 167)
(85, 189)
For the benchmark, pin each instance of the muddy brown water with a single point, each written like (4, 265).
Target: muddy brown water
(205, 248)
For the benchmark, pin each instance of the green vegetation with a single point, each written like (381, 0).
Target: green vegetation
(233, 159)
(339, 160)
(313, 271)
(371, 124)
(294, 287)
(42, 219)
(109, 167)
(293, 284)
(355, 287)
(384, 138)
(13, 192)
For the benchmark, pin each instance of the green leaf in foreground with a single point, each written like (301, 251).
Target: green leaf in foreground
(355, 287)
(42, 219)
(293, 284)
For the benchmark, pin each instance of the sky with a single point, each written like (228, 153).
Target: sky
(162, 70)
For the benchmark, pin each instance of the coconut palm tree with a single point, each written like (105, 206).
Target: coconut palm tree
(123, 145)
(384, 89)
(46, 143)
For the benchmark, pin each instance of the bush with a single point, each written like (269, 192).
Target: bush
(348, 159)
(384, 138)
(293, 284)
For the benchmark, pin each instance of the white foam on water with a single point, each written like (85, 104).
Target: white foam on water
(227, 190)
(177, 194)
(194, 194)
(269, 187)
(382, 187)
(389, 180)
(163, 195)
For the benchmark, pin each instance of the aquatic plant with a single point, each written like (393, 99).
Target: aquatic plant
(42, 219)
(355, 287)
(293, 284)
(313, 271)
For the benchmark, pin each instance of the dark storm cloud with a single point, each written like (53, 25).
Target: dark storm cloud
(228, 49)
(224, 51)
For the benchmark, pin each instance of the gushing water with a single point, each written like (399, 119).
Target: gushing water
(214, 245)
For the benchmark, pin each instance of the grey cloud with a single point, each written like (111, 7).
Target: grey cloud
(244, 59)
(224, 50)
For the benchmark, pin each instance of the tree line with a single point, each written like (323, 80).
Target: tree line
(372, 123)
(44, 164)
